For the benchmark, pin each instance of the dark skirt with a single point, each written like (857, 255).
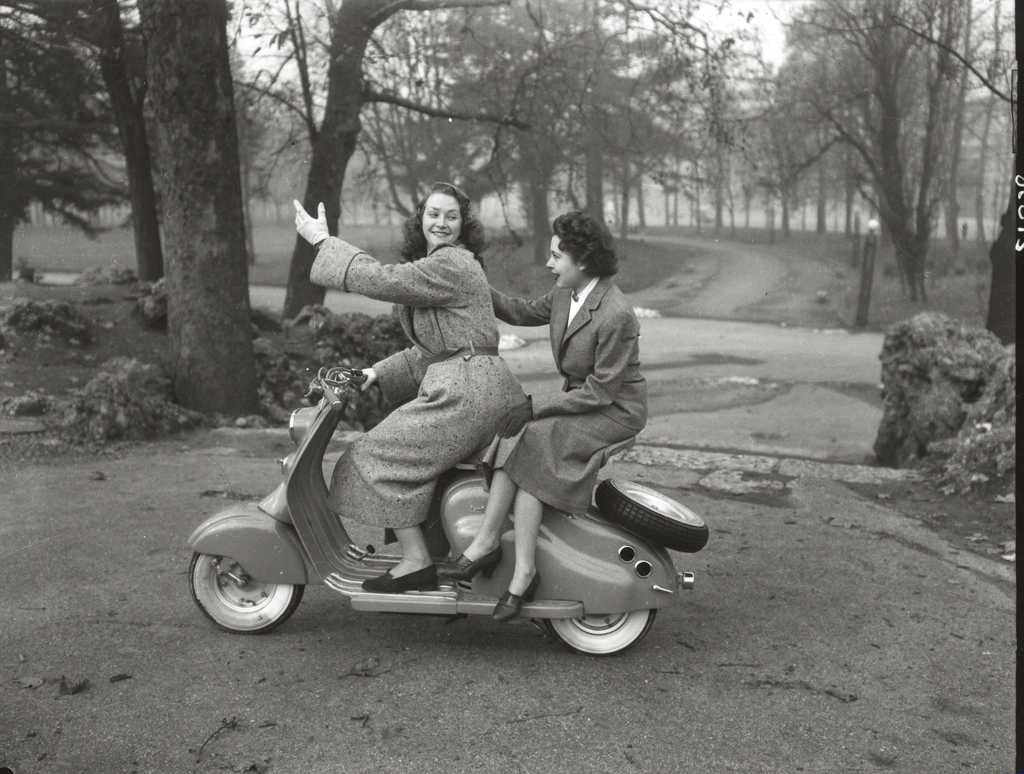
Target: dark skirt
(556, 459)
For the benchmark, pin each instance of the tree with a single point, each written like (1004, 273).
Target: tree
(212, 363)
(54, 139)
(333, 130)
(97, 28)
(887, 94)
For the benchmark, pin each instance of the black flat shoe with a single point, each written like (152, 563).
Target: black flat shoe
(421, 580)
(511, 605)
(464, 569)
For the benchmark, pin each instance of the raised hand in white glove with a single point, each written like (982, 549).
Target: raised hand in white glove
(312, 230)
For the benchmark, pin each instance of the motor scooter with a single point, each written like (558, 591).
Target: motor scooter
(604, 573)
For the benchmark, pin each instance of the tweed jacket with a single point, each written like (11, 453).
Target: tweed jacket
(442, 301)
(597, 354)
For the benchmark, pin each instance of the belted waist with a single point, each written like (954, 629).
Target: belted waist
(465, 352)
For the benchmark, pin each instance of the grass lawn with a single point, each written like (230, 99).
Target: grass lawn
(509, 266)
(956, 286)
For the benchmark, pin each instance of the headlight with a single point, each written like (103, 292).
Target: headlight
(299, 422)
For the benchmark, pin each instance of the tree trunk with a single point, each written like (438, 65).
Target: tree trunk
(1002, 294)
(8, 203)
(538, 183)
(848, 205)
(785, 214)
(595, 175)
(212, 362)
(641, 215)
(7, 224)
(960, 108)
(668, 206)
(334, 145)
(624, 223)
(979, 192)
(820, 225)
(131, 127)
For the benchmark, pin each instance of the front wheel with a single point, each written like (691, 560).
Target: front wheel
(602, 635)
(234, 601)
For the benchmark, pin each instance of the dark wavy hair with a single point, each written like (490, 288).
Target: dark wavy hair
(588, 241)
(471, 236)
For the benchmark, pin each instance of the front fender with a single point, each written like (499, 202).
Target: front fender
(268, 549)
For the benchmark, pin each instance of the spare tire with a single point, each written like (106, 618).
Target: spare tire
(651, 515)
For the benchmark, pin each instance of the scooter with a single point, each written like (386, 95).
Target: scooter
(604, 573)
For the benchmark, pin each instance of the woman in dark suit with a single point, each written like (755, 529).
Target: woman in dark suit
(450, 387)
(550, 447)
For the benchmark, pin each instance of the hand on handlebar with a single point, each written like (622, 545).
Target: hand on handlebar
(371, 378)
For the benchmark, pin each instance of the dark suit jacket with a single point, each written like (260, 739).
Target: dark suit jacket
(598, 354)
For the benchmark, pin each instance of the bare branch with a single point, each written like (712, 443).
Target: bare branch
(391, 9)
(369, 95)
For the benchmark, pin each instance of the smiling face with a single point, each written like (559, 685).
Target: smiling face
(568, 273)
(442, 221)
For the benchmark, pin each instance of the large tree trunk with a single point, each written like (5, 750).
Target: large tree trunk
(1002, 294)
(212, 362)
(334, 145)
(131, 127)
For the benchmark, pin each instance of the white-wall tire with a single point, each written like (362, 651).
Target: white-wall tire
(236, 603)
(602, 635)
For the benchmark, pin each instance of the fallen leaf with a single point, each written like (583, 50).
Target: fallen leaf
(1006, 498)
(30, 682)
(98, 475)
(119, 677)
(977, 537)
(883, 496)
(948, 489)
(1010, 557)
(71, 687)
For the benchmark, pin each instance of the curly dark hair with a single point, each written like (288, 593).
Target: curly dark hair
(471, 236)
(588, 241)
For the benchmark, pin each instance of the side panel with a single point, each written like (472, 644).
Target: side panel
(577, 556)
(268, 549)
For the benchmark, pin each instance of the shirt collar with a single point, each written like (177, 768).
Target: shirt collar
(581, 295)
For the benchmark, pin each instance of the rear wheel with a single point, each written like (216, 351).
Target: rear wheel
(602, 635)
(234, 601)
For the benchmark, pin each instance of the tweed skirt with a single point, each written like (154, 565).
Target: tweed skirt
(387, 476)
(556, 459)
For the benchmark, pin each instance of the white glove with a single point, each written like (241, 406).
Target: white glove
(371, 378)
(313, 231)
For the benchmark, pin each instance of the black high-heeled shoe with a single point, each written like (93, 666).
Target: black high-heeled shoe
(421, 580)
(464, 568)
(511, 605)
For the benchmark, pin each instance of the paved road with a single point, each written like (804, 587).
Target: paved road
(825, 635)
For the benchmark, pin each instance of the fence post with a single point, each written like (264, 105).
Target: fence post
(867, 273)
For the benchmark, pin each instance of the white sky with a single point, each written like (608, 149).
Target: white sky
(767, 21)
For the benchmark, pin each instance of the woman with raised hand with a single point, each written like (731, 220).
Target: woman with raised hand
(450, 387)
(550, 447)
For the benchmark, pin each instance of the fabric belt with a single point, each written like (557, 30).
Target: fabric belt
(465, 352)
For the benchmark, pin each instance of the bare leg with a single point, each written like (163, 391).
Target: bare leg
(415, 555)
(528, 510)
(503, 490)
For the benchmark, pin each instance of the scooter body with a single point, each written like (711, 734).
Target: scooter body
(252, 560)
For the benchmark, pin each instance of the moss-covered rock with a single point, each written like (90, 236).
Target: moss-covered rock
(948, 390)
(126, 400)
(55, 319)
